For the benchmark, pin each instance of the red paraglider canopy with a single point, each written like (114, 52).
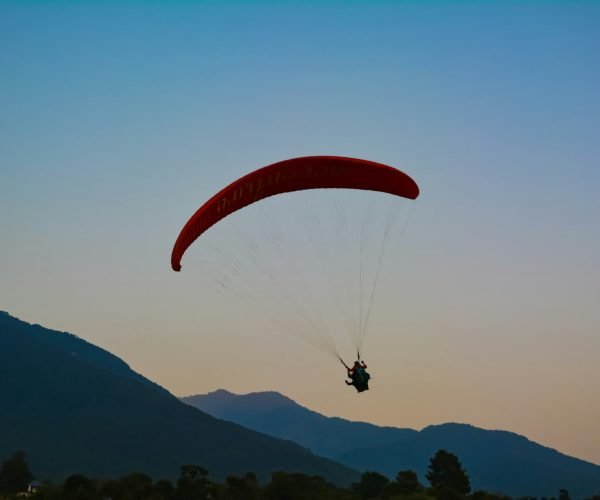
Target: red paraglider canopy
(309, 172)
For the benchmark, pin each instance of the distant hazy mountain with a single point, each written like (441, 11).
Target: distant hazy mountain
(73, 407)
(279, 416)
(495, 460)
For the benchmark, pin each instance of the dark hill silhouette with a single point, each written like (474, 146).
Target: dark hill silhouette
(77, 347)
(495, 460)
(74, 408)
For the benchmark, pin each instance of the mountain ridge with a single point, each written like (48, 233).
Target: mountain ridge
(75, 414)
(278, 420)
(80, 347)
(497, 460)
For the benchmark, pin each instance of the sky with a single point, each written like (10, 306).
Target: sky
(118, 119)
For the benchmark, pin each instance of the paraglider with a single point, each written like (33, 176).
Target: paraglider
(312, 173)
(359, 378)
(309, 172)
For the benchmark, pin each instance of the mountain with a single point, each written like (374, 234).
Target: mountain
(78, 348)
(495, 460)
(73, 407)
(279, 416)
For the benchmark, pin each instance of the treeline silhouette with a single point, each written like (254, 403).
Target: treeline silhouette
(447, 478)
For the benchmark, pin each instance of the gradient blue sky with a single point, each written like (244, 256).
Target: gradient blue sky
(118, 119)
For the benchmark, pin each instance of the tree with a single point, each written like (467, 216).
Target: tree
(14, 474)
(131, 487)
(445, 472)
(371, 485)
(164, 489)
(78, 487)
(242, 488)
(193, 484)
(408, 482)
(298, 486)
(486, 495)
(563, 495)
